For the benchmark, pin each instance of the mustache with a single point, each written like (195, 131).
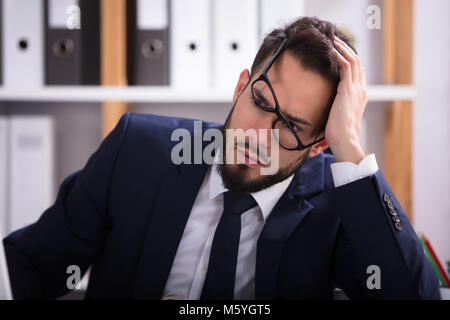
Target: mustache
(253, 147)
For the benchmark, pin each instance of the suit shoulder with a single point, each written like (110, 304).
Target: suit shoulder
(161, 124)
(154, 132)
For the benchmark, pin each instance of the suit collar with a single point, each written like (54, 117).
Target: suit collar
(310, 178)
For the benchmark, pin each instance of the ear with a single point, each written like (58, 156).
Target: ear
(244, 77)
(318, 148)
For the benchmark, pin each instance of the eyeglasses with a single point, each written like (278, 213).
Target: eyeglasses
(290, 135)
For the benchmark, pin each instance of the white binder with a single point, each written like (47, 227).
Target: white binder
(23, 37)
(275, 14)
(3, 174)
(32, 169)
(190, 42)
(235, 24)
(5, 284)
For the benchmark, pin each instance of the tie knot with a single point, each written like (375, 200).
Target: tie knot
(238, 203)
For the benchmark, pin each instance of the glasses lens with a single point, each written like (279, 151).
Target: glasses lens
(263, 95)
(284, 135)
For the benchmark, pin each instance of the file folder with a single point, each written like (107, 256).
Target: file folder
(148, 42)
(3, 173)
(235, 40)
(31, 163)
(190, 61)
(72, 42)
(1, 44)
(275, 14)
(22, 47)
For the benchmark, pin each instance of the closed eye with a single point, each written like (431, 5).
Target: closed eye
(261, 100)
(257, 102)
(294, 126)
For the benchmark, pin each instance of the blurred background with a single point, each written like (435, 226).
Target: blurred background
(70, 68)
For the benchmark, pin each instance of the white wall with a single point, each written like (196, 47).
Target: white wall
(432, 123)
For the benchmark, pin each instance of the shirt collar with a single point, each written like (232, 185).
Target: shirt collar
(266, 198)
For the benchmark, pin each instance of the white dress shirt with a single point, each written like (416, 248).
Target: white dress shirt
(189, 267)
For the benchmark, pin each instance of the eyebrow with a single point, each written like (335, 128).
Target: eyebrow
(296, 119)
(289, 117)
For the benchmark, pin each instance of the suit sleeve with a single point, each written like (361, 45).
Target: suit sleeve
(375, 239)
(71, 232)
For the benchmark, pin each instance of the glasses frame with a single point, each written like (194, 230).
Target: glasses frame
(277, 111)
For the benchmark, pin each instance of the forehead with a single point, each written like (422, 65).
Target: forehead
(300, 92)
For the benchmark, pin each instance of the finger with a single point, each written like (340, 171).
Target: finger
(352, 51)
(344, 68)
(364, 83)
(352, 59)
(345, 44)
(364, 75)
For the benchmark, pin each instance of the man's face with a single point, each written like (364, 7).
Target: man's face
(301, 94)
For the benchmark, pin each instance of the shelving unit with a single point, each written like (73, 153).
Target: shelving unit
(376, 93)
(398, 117)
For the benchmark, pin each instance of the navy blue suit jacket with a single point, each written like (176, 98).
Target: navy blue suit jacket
(124, 213)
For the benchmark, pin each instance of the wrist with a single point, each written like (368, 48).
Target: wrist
(348, 153)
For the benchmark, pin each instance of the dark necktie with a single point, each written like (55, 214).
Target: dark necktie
(221, 274)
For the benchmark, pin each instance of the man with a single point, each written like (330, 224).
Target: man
(153, 229)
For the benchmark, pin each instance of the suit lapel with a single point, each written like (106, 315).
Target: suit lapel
(178, 191)
(288, 213)
(177, 194)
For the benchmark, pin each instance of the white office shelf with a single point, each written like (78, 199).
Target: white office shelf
(162, 95)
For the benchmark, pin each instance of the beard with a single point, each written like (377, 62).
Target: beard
(237, 178)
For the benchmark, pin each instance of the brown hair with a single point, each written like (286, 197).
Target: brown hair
(311, 42)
